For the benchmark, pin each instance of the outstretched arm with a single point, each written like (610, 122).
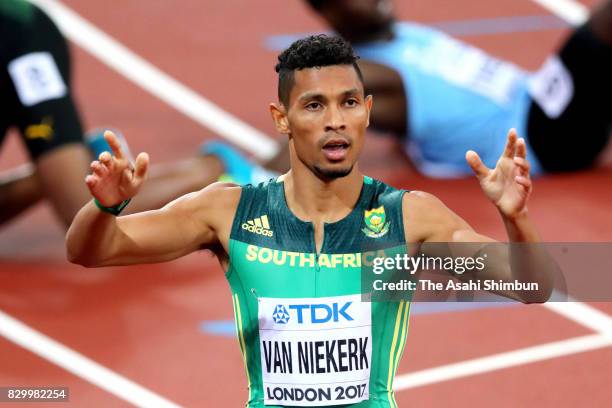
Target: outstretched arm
(508, 187)
(98, 238)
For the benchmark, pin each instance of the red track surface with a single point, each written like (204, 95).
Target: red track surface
(142, 322)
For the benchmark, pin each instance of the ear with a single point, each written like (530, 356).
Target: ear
(368, 104)
(279, 116)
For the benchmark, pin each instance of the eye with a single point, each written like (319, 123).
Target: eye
(352, 102)
(313, 106)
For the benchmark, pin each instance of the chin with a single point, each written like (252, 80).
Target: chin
(332, 172)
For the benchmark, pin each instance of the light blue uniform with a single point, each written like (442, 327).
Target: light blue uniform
(459, 98)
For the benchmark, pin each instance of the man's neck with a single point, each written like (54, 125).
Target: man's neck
(315, 200)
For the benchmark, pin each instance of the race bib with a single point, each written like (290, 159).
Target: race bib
(315, 351)
(36, 78)
(552, 87)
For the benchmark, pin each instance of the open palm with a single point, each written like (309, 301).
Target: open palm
(114, 179)
(508, 185)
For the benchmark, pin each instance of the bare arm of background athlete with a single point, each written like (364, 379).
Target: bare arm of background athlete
(508, 186)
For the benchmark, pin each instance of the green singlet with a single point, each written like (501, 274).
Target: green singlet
(306, 336)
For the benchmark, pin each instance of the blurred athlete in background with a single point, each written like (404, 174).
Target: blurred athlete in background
(441, 97)
(36, 98)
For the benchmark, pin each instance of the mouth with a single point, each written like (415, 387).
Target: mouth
(336, 149)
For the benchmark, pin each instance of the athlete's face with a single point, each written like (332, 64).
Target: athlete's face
(326, 119)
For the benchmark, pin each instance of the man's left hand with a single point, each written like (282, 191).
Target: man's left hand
(508, 185)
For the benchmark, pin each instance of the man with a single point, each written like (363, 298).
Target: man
(442, 97)
(291, 247)
(35, 97)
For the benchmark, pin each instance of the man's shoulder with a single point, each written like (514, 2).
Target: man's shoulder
(418, 199)
(212, 208)
(221, 201)
(220, 196)
(422, 205)
(426, 215)
(384, 191)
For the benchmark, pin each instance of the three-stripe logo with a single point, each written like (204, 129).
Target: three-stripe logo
(259, 225)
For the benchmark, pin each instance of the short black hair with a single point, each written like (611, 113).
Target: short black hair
(310, 52)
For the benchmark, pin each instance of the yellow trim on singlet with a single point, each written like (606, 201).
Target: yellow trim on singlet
(403, 338)
(236, 303)
(398, 319)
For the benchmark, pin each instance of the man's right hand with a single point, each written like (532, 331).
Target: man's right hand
(114, 179)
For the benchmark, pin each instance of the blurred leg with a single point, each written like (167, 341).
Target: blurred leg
(168, 181)
(601, 21)
(61, 174)
(19, 190)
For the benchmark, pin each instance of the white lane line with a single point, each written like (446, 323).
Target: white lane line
(568, 10)
(501, 361)
(152, 79)
(79, 365)
(583, 314)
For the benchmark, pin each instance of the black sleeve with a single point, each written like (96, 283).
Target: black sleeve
(38, 70)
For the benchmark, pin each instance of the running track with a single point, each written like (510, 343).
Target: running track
(135, 332)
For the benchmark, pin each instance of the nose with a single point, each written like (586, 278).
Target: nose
(335, 119)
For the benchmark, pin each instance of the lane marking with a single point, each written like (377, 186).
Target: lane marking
(501, 25)
(467, 27)
(502, 360)
(79, 365)
(583, 314)
(150, 78)
(569, 10)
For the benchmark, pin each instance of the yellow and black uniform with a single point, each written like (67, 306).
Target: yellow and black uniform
(35, 91)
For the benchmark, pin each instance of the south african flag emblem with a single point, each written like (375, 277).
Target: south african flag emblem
(376, 224)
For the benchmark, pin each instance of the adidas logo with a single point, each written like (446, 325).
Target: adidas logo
(259, 225)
